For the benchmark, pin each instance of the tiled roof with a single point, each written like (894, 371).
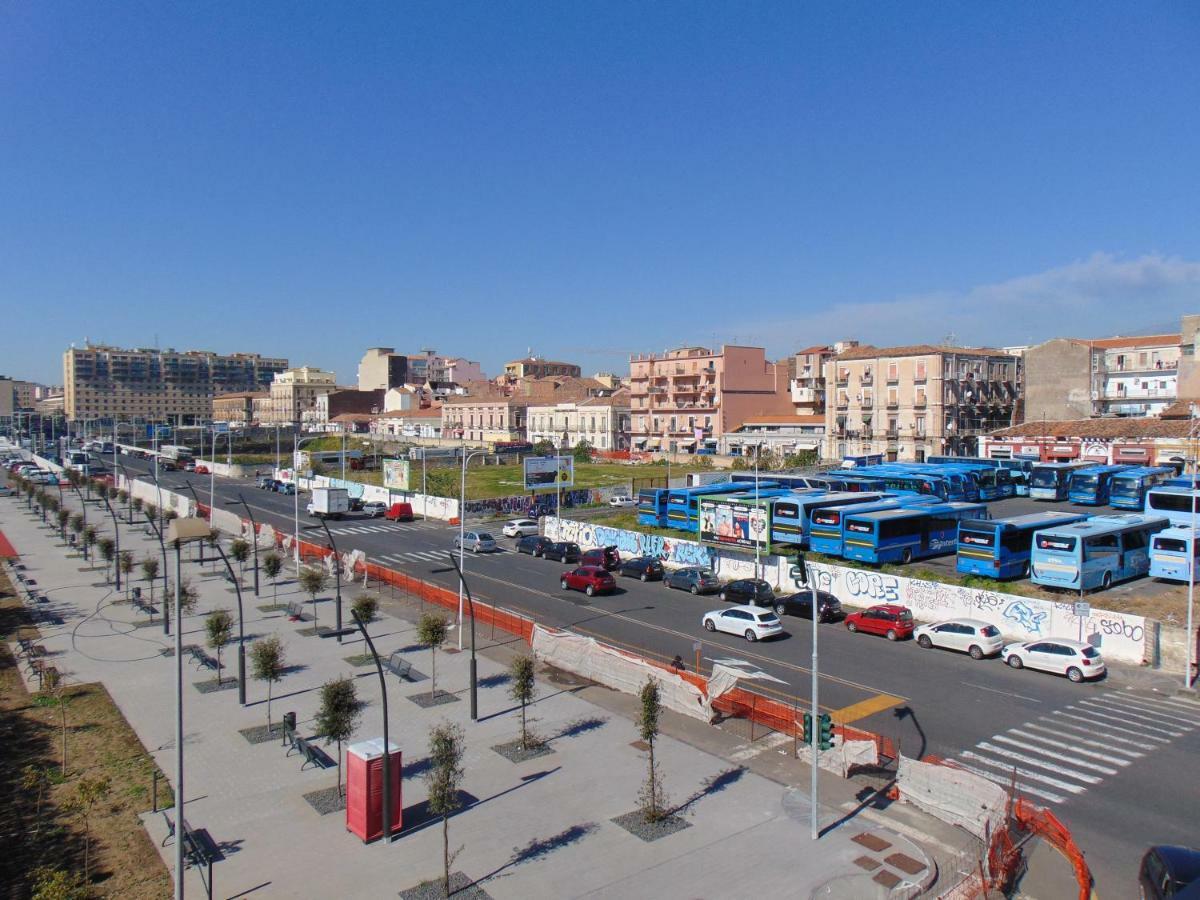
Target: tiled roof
(917, 350)
(1098, 428)
(1145, 340)
(784, 420)
(816, 348)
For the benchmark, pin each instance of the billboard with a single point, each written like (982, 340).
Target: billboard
(735, 523)
(549, 471)
(395, 474)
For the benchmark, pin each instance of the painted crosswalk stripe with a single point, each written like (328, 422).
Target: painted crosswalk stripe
(1024, 773)
(1179, 705)
(1104, 712)
(1004, 782)
(1072, 747)
(1072, 758)
(1090, 730)
(1137, 703)
(1141, 715)
(1108, 729)
(1060, 727)
(1040, 763)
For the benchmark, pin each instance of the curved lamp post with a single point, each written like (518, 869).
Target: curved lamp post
(337, 572)
(474, 671)
(254, 530)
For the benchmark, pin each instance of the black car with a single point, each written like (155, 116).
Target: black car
(563, 551)
(356, 504)
(534, 544)
(1168, 871)
(754, 591)
(801, 605)
(647, 568)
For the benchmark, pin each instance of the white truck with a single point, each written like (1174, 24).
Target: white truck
(329, 502)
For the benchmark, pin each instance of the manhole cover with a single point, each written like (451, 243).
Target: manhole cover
(871, 841)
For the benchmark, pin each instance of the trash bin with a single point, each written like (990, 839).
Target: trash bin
(137, 593)
(289, 721)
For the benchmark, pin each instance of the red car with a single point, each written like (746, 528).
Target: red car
(893, 622)
(201, 470)
(591, 580)
(607, 558)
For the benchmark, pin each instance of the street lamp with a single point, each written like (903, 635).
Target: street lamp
(337, 572)
(296, 445)
(462, 518)
(254, 531)
(471, 609)
(180, 532)
(1191, 636)
(237, 585)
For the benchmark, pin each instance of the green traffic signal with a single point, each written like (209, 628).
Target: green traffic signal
(807, 738)
(825, 732)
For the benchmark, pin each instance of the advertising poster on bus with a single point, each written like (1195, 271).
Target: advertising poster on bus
(549, 471)
(396, 474)
(735, 523)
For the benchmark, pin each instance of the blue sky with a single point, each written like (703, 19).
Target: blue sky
(591, 179)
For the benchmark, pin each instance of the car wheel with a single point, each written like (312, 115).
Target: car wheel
(780, 609)
(722, 595)
(710, 625)
(924, 642)
(906, 557)
(535, 553)
(976, 653)
(891, 634)
(1106, 581)
(751, 636)
(1074, 674)
(564, 584)
(643, 577)
(591, 591)
(1015, 662)
(851, 627)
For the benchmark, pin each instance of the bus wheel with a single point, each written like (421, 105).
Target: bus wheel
(1106, 581)
(906, 557)
(1025, 570)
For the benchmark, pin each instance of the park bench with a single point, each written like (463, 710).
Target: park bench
(200, 658)
(26, 645)
(312, 756)
(46, 674)
(34, 654)
(398, 666)
(295, 611)
(198, 845)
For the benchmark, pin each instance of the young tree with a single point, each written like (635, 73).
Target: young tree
(339, 716)
(126, 563)
(213, 540)
(63, 516)
(218, 626)
(432, 630)
(272, 565)
(188, 597)
(77, 525)
(54, 687)
(108, 550)
(36, 780)
(240, 551)
(138, 503)
(365, 607)
(582, 452)
(90, 536)
(443, 779)
(150, 572)
(544, 448)
(151, 512)
(267, 661)
(88, 792)
(522, 689)
(50, 883)
(652, 798)
(312, 582)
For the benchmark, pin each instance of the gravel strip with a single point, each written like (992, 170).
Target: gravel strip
(513, 753)
(211, 686)
(425, 701)
(272, 607)
(460, 886)
(326, 801)
(635, 823)
(313, 632)
(260, 735)
(362, 659)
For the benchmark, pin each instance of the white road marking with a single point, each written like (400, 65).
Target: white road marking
(1108, 729)
(1058, 731)
(1107, 712)
(1040, 763)
(1137, 703)
(1170, 703)
(1134, 712)
(1005, 782)
(1005, 693)
(1025, 744)
(1024, 773)
(1041, 739)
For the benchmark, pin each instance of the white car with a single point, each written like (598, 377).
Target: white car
(374, 508)
(1061, 656)
(971, 636)
(516, 528)
(751, 622)
(622, 500)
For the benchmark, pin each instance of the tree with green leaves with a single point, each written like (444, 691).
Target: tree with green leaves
(444, 779)
(582, 452)
(267, 662)
(239, 550)
(88, 792)
(77, 525)
(138, 504)
(90, 536)
(50, 883)
(312, 582)
(36, 780)
(432, 630)
(108, 551)
(149, 567)
(151, 512)
(126, 563)
(365, 607)
(214, 541)
(544, 448)
(63, 516)
(188, 597)
(272, 564)
(652, 799)
(338, 716)
(522, 688)
(218, 628)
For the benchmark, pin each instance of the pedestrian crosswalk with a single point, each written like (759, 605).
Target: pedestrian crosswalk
(1068, 751)
(377, 528)
(435, 556)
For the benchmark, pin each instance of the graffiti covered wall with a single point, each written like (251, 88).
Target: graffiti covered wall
(541, 504)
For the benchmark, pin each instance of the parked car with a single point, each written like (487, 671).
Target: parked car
(891, 621)
(401, 512)
(563, 551)
(534, 545)
(696, 580)
(622, 500)
(754, 591)
(189, 466)
(1076, 660)
(1168, 871)
(606, 558)
(374, 508)
(644, 568)
(201, 470)
(285, 487)
(971, 636)
(591, 580)
(475, 541)
(516, 528)
(800, 604)
(265, 482)
(750, 622)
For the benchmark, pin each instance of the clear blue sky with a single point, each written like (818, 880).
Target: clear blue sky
(589, 179)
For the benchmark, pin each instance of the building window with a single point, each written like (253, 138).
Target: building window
(920, 374)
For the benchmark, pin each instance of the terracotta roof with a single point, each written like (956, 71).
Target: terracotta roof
(816, 348)
(620, 398)
(242, 395)
(917, 350)
(355, 417)
(1098, 428)
(429, 412)
(785, 419)
(1180, 409)
(1145, 340)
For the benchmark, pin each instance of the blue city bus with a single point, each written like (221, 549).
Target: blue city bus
(958, 483)
(1170, 552)
(652, 507)
(902, 535)
(1050, 481)
(789, 515)
(857, 462)
(826, 523)
(893, 479)
(1127, 490)
(1179, 504)
(1096, 553)
(683, 508)
(1000, 548)
(1090, 486)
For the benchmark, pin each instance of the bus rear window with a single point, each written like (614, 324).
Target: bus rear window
(1169, 502)
(823, 517)
(1058, 544)
(977, 538)
(1171, 545)
(786, 510)
(860, 527)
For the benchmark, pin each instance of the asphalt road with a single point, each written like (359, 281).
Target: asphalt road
(1115, 762)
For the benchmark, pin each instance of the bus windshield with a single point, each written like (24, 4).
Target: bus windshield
(1086, 480)
(1044, 478)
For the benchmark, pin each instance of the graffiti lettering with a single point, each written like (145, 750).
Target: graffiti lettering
(1025, 618)
(873, 586)
(1121, 628)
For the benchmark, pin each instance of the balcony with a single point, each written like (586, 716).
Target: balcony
(893, 404)
(804, 395)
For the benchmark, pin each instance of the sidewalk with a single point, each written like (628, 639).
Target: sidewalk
(541, 828)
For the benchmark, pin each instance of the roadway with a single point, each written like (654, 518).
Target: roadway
(1097, 753)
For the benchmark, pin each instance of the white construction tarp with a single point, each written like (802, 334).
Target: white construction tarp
(845, 755)
(952, 795)
(621, 671)
(225, 521)
(266, 538)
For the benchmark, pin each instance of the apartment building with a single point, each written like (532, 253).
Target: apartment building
(332, 406)
(536, 367)
(781, 435)
(237, 408)
(686, 399)
(382, 368)
(409, 423)
(294, 395)
(917, 401)
(601, 421)
(103, 382)
(427, 366)
(484, 418)
(807, 374)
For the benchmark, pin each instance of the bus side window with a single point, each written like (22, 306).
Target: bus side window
(1101, 546)
(1135, 540)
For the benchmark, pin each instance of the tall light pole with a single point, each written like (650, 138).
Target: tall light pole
(757, 557)
(1191, 635)
(462, 518)
(296, 444)
(473, 669)
(254, 531)
(337, 572)
(815, 823)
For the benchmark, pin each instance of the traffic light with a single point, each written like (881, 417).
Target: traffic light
(825, 732)
(807, 736)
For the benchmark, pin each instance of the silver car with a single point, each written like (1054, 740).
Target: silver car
(475, 541)
(375, 508)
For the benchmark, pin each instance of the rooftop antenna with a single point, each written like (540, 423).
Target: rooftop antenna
(950, 340)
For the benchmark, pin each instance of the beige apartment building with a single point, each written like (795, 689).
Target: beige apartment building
(536, 367)
(913, 402)
(480, 419)
(237, 408)
(601, 421)
(685, 400)
(103, 382)
(294, 395)
(807, 373)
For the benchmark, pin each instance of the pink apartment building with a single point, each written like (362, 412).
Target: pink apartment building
(684, 400)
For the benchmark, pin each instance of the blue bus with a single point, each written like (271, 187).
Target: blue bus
(894, 479)
(789, 515)
(902, 535)
(857, 462)
(1127, 490)
(826, 523)
(782, 479)
(1172, 551)
(1091, 485)
(1050, 481)
(652, 507)
(1095, 553)
(683, 508)
(1180, 505)
(1000, 548)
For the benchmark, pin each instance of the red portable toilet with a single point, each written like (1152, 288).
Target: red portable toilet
(364, 788)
